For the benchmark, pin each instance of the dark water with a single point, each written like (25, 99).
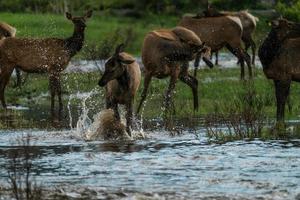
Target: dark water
(161, 166)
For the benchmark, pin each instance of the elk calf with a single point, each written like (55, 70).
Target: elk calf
(279, 55)
(121, 79)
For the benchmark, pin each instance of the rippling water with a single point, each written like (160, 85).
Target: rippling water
(162, 166)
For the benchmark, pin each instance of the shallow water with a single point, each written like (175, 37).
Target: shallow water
(161, 166)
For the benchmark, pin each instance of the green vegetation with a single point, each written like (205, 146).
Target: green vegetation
(289, 10)
(221, 92)
(99, 28)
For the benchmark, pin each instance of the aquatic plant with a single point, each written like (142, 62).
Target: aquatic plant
(19, 172)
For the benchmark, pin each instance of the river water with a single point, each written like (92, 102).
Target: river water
(161, 166)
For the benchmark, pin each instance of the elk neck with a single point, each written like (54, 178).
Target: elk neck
(75, 42)
(124, 79)
(269, 49)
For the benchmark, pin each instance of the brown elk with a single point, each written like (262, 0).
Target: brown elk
(218, 32)
(167, 53)
(279, 55)
(50, 55)
(248, 22)
(121, 79)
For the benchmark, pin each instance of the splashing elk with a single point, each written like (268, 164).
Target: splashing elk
(167, 53)
(121, 79)
(279, 55)
(50, 55)
(218, 32)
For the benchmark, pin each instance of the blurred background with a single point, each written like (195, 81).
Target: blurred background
(116, 21)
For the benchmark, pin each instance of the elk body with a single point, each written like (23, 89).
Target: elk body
(248, 23)
(218, 32)
(121, 79)
(166, 53)
(279, 55)
(50, 55)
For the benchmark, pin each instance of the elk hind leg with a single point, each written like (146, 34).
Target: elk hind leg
(147, 81)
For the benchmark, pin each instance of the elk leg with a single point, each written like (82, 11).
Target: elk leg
(59, 93)
(52, 85)
(196, 64)
(242, 56)
(147, 81)
(217, 58)
(129, 116)
(4, 78)
(193, 83)
(253, 48)
(169, 93)
(111, 104)
(282, 89)
(19, 78)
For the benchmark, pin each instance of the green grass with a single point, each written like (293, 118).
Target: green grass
(99, 27)
(216, 87)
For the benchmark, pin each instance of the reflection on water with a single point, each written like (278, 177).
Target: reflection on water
(163, 166)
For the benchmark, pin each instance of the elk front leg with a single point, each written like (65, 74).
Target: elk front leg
(129, 118)
(282, 89)
(191, 82)
(196, 64)
(217, 58)
(5, 74)
(59, 94)
(52, 86)
(147, 81)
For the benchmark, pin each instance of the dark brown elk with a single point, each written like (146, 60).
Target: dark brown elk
(121, 79)
(248, 22)
(166, 53)
(50, 55)
(279, 55)
(218, 32)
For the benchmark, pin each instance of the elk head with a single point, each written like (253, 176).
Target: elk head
(79, 22)
(115, 66)
(285, 29)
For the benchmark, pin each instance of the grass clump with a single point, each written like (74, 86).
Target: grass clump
(242, 117)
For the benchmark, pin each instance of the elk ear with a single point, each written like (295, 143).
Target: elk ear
(126, 59)
(119, 49)
(127, 62)
(88, 14)
(69, 16)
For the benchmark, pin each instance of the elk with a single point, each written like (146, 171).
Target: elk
(121, 78)
(166, 53)
(279, 55)
(248, 22)
(218, 32)
(50, 55)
